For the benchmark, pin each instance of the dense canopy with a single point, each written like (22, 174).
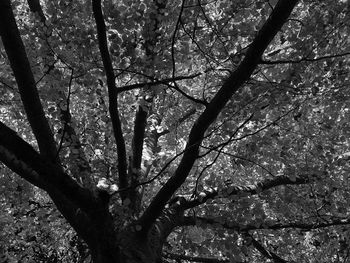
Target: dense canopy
(174, 131)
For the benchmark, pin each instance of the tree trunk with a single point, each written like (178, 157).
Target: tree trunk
(128, 249)
(102, 254)
(103, 247)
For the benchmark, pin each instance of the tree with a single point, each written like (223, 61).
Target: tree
(175, 131)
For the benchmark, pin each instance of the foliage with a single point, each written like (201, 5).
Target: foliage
(141, 126)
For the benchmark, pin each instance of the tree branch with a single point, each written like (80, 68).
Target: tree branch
(244, 190)
(187, 115)
(18, 155)
(139, 135)
(81, 169)
(235, 226)
(76, 217)
(266, 253)
(35, 7)
(176, 87)
(21, 158)
(305, 59)
(150, 35)
(137, 148)
(26, 84)
(276, 20)
(113, 94)
(155, 83)
(193, 258)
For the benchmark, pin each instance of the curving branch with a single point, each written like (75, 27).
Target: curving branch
(243, 72)
(26, 83)
(195, 100)
(182, 204)
(247, 190)
(113, 94)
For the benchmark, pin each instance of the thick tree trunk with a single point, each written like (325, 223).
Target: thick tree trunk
(103, 248)
(101, 255)
(135, 249)
(131, 244)
(128, 249)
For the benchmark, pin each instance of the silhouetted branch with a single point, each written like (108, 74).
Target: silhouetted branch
(26, 83)
(21, 158)
(243, 72)
(137, 149)
(82, 169)
(35, 7)
(266, 253)
(244, 190)
(173, 39)
(112, 92)
(269, 225)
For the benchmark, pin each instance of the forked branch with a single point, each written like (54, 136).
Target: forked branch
(252, 58)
